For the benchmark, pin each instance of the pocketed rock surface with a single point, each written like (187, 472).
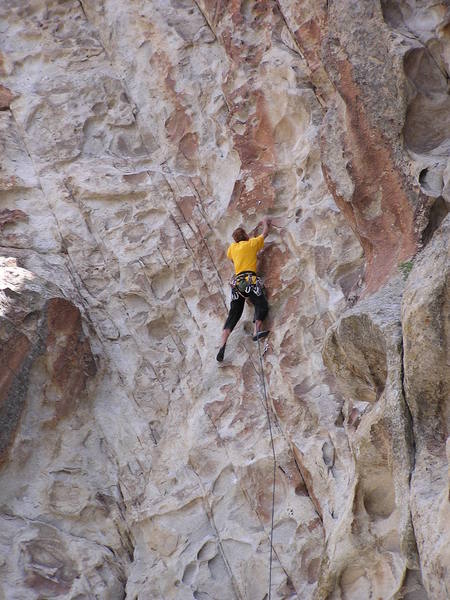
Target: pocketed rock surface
(135, 137)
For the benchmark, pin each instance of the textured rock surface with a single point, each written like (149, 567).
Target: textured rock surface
(426, 324)
(364, 350)
(135, 137)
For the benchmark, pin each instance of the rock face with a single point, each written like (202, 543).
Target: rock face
(426, 323)
(136, 136)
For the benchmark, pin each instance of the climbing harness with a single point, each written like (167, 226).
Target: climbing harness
(266, 406)
(246, 282)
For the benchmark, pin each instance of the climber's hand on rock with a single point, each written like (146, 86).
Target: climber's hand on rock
(266, 223)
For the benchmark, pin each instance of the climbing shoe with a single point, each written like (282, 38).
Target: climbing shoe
(221, 354)
(260, 335)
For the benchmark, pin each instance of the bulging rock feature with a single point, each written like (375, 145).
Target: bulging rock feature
(425, 316)
(135, 137)
(364, 350)
(35, 327)
(357, 354)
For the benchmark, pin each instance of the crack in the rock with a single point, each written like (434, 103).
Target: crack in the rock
(179, 290)
(210, 515)
(412, 440)
(291, 34)
(201, 206)
(317, 94)
(49, 523)
(207, 20)
(316, 91)
(311, 494)
(189, 247)
(246, 496)
(30, 249)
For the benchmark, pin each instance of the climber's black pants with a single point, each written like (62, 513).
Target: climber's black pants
(237, 306)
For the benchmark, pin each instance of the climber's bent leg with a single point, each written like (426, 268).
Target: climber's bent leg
(261, 309)
(234, 314)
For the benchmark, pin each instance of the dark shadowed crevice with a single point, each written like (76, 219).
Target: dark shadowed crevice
(427, 123)
(438, 212)
(412, 588)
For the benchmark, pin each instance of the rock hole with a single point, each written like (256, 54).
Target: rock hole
(99, 108)
(422, 176)
(207, 551)
(354, 584)
(163, 284)
(391, 13)
(134, 178)
(431, 180)
(217, 568)
(379, 497)
(328, 453)
(356, 353)
(158, 329)
(313, 570)
(427, 122)
(201, 596)
(189, 573)
(300, 490)
(31, 319)
(437, 214)
(445, 31)
(412, 588)
(339, 421)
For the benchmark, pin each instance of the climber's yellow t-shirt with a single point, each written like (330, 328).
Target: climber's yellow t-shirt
(243, 254)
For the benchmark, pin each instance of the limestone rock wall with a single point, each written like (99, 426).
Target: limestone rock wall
(135, 137)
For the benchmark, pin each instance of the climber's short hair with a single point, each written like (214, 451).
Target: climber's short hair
(240, 235)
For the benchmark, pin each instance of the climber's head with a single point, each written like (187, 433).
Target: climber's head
(240, 235)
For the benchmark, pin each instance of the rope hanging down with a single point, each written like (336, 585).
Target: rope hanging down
(266, 406)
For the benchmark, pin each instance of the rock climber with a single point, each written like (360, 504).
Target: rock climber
(245, 283)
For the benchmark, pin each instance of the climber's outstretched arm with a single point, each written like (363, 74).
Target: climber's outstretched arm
(266, 226)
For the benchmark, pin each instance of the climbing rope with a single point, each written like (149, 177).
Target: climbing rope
(266, 406)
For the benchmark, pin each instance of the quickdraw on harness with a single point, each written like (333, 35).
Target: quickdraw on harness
(244, 283)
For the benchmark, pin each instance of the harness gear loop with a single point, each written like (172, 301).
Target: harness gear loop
(245, 283)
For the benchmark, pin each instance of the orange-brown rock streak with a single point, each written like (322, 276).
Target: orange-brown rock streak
(383, 203)
(13, 355)
(380, 211)
(69, 358)
(252, 132)
(308, 22)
